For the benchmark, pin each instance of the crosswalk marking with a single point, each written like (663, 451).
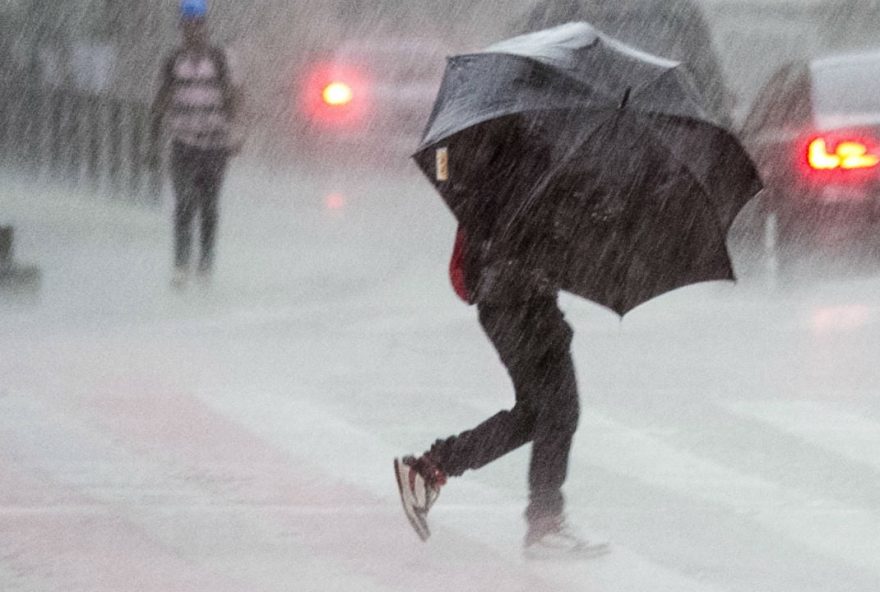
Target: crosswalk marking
(823, 424)
(129, 455)
(366, 457)
(826, 526)
(85, 475)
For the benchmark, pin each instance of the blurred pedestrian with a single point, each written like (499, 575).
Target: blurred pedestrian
(497, 265)
(199, 96)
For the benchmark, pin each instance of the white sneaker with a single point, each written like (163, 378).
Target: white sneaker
(419, 483)
(557, 540)
(179, 278)
(204, 278)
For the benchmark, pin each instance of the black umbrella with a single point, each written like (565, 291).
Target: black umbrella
(608, 145)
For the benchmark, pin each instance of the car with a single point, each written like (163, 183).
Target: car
(673, 29)
(814, 134)
(368, 99)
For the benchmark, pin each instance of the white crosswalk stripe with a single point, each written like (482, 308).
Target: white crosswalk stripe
(852, 436)
(832, 528)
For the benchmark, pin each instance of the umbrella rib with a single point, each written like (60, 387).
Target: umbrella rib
(691, 175)
(705, 191)
(549, 174)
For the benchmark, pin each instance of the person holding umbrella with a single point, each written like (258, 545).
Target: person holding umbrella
(573, 162)
(496, 264)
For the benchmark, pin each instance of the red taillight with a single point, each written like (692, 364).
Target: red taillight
(337, 94)
(334, 96)
(846, 155)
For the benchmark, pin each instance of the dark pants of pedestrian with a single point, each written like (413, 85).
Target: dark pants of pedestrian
(533, 341)
(197, 176)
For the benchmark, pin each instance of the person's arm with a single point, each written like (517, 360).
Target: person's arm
(236, 89)
(234, 96)
(158, 109)
(236, 102)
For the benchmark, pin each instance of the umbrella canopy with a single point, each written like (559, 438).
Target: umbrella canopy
(564, 67)
(674, 29)
(610, 146)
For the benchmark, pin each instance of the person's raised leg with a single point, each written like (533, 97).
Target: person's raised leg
(503, 432)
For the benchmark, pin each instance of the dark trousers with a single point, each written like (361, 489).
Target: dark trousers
(533, 341)
(197, 175)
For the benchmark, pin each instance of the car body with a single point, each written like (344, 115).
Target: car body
(814, 133)
(368, 99)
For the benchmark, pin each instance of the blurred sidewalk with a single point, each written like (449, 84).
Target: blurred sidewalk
(285, 238)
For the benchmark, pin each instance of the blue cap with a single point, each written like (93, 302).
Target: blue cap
(193, 9)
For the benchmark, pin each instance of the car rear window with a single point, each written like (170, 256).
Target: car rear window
(847, 92)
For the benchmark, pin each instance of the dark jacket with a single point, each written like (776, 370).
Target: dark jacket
(506, 251)
(483, 272)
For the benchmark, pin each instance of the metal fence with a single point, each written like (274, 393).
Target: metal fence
(81, 141)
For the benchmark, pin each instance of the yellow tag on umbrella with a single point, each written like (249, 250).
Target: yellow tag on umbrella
(442, 164)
